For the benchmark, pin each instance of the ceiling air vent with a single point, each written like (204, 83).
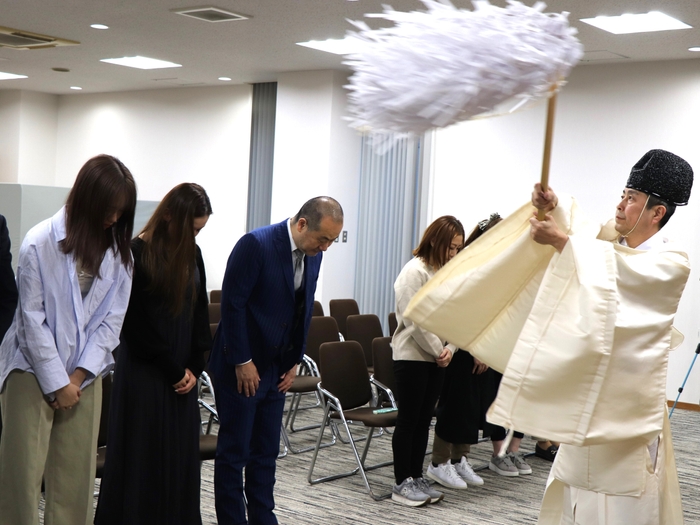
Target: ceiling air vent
(17, 39)
(210, 14)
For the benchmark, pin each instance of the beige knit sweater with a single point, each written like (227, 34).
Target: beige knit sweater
(410, 342)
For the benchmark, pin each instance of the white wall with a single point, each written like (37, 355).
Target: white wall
(10, 104)
(316, 153)
(166, 137)
(607, 117)
(37, 139)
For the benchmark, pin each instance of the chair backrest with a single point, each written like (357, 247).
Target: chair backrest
(318, 309)
(345, 373)
(393, 323)
(215, 296)
(321, 330)
(214, 312)
(213, 327)
(340, 309)
(363, 329)
(383, 362)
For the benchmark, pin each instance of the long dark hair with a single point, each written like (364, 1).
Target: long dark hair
(169, 248)
(103, 184)
(436, 240)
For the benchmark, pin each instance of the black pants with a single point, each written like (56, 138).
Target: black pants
(418, 385)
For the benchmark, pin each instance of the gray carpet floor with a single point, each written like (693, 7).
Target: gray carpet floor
(500, 500)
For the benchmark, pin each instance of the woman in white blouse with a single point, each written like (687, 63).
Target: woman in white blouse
(420, 359)
(74, 281)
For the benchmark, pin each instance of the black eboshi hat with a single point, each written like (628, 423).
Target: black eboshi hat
(664, 175)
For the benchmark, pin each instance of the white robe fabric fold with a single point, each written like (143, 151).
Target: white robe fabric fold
(582, 339)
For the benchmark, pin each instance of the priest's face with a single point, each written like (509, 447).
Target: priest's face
(631, 206)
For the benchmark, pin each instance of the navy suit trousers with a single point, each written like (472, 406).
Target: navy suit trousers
(249, 437)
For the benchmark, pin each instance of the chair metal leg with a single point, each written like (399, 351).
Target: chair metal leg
(360, 460)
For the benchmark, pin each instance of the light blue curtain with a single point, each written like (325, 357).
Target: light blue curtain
(262, 149)
(389, 221)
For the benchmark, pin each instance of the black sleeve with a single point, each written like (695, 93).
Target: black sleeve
(201, 333)
(144, 340)
(8, 286)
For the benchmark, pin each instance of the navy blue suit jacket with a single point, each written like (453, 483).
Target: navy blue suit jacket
(258, 303)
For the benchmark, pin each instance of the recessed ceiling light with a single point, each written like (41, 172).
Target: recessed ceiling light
(342, 46)
(225, 79)
(77, 88)
(696, 49)
(99, 26)
(10, 76)
(641, 23)
(141, 62)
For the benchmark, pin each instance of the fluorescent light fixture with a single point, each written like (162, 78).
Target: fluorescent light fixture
(10, 76)
(77, 88)
(342, 46)
(641, 23)
(141, 62)
(99, 26)
(696, 49)
(225, 79)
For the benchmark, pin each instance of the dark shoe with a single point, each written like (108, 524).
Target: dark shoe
(548, 454)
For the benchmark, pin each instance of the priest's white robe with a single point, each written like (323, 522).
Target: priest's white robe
(582, 339)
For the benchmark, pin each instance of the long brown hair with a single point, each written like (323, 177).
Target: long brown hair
(102, 184)
(169, 247)
(436, 240)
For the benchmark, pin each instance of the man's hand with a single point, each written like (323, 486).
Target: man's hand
(248, 379)
(544, 200)
(67, 397)
(189, 382)
(548, 232)
(445, 358)
(479, 367)
(287, 379)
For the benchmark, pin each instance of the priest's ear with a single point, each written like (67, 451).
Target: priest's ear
(658, 213)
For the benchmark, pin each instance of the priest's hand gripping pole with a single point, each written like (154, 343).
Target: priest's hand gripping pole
(547, 157)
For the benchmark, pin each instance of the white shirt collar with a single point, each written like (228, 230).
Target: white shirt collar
(655, 241)
(289, 231)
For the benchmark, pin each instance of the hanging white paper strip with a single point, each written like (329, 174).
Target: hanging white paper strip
(435, 68)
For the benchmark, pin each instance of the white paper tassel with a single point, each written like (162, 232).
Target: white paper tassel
(446, 65)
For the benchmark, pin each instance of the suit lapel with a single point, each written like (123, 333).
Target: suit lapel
(284, 252)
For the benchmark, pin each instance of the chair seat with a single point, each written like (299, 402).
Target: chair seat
(303, 384)
(367, 417)
(207, 447)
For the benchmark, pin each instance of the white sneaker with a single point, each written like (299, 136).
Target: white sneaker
(446, 475)
(466, 472)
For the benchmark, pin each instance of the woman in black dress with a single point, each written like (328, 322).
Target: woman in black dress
(152, 473)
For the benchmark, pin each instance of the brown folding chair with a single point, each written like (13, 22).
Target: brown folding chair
(321, 330)
(214, 313)
(393, 323)
(215, 296)
(383, 360)
(346, 391)
(363, 329)
(340, 309)
(318, 309)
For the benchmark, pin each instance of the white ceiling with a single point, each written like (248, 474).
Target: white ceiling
(258, 49)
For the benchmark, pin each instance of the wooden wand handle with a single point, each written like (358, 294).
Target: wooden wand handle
(544, 181)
